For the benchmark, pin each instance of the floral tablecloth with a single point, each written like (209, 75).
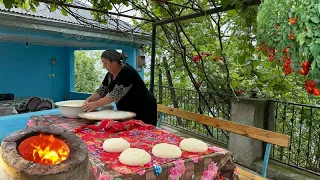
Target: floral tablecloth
(216, 163)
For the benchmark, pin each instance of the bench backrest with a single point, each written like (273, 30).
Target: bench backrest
(244, 130)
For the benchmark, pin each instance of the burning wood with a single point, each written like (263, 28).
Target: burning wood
(44, 149)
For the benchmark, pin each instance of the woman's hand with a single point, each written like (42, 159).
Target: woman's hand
(86, 102)
(87, 107)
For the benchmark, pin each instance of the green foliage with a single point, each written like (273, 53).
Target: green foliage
(238, 29)
(87, 77)
(248, 68)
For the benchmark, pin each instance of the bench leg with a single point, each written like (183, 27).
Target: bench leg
(160, 120)
(265, 160)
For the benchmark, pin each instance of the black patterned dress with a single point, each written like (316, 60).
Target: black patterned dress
(130, 93)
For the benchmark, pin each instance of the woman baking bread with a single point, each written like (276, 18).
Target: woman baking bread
(124, 86)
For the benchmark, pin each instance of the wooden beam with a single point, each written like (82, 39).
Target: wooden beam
(244, 130)
(216, 10)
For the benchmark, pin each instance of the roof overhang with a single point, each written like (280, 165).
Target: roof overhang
(33, 23)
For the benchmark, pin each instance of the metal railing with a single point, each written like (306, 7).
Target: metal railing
(302, 123)
(190, 100)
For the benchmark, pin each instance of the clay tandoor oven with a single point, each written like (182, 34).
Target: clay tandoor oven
(43, 153)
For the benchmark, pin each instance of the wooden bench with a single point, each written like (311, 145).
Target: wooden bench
(269, 137)
(245, 175)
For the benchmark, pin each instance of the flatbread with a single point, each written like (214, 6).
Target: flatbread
(193, 145)
(165, 150)
(134, 157)
(107, 114)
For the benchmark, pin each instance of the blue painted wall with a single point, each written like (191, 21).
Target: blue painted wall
(25, 71)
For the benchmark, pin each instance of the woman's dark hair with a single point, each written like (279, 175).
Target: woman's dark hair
(113, 55)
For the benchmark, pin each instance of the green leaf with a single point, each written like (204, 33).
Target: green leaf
(278, 87)
(319, 8)
(310, 34)
(234, 84)
(33, 9)
(301, 41)
(306, 50)
(315, 19)
(53, 7)
(232, 13)
(64, 12)
(225, 3)
(242, 60)
(255, 64)
(8, 3)
(235, 75)
(109, 6)
(238, 6)
(25, 5)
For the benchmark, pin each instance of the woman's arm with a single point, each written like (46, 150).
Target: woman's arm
(104, 101)
(101, 92)
(96, 104)
(94, 97)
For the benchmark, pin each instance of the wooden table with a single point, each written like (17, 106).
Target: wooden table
(196, 167)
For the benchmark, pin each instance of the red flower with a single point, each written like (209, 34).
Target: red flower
(238, 92)
(310, 83)
(215, 59)
(196, 58)
(207, 54)
(309, 89)
(316, 92)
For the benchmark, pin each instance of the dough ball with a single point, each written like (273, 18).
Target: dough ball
(115, 145)
(165, 150)
(134, 157)
(193, 145)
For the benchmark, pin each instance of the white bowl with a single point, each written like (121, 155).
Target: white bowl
(71, 108)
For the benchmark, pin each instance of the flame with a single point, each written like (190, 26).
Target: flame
(44, 149)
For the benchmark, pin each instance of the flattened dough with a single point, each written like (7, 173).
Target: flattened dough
(115, 145)
(193, 145)
(165, 150)
(134, 157)
(107, 114)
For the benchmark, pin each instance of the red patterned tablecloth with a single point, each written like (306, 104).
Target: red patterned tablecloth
(216, 163)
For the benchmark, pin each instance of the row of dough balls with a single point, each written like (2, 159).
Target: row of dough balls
(139, 157)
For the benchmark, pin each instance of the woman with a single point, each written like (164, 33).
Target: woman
(124, 86)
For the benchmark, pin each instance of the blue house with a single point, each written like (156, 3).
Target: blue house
(37, 49)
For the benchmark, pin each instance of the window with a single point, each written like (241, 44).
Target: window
(89, 71)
